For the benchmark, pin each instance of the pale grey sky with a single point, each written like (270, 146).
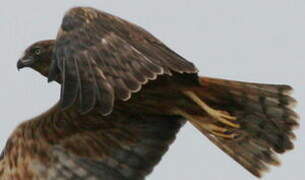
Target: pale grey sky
(249, 40)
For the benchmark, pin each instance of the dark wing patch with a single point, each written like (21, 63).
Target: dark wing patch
(101, 57)
(71, 167)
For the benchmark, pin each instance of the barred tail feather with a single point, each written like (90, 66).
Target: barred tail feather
(265, 116)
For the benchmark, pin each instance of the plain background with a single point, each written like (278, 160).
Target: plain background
(249, 40)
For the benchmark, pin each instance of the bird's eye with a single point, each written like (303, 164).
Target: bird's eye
(37, 51)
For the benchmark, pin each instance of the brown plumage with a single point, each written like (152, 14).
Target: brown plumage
(125, 95)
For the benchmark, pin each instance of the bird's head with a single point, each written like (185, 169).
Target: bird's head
(38, 57)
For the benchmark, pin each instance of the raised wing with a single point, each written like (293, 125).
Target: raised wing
(101, 58)
(69, 146)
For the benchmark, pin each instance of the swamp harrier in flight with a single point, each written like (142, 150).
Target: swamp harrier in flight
(124, 96)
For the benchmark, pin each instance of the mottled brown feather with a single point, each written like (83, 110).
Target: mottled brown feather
(109, 51)
(264, 114)
(95, 133)
(68, 145)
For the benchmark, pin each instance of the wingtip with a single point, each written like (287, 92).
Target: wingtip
(53, 72)
(50, 79)
(51, 76)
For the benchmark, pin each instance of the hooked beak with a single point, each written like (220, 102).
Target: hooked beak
(24, 62)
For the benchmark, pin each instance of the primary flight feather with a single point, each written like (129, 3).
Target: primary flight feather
(125, 95)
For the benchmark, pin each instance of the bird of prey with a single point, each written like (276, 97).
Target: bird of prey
(125, 95)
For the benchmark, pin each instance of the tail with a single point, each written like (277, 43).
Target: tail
(261, 124)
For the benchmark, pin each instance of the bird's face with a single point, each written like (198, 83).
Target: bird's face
(38, 57)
